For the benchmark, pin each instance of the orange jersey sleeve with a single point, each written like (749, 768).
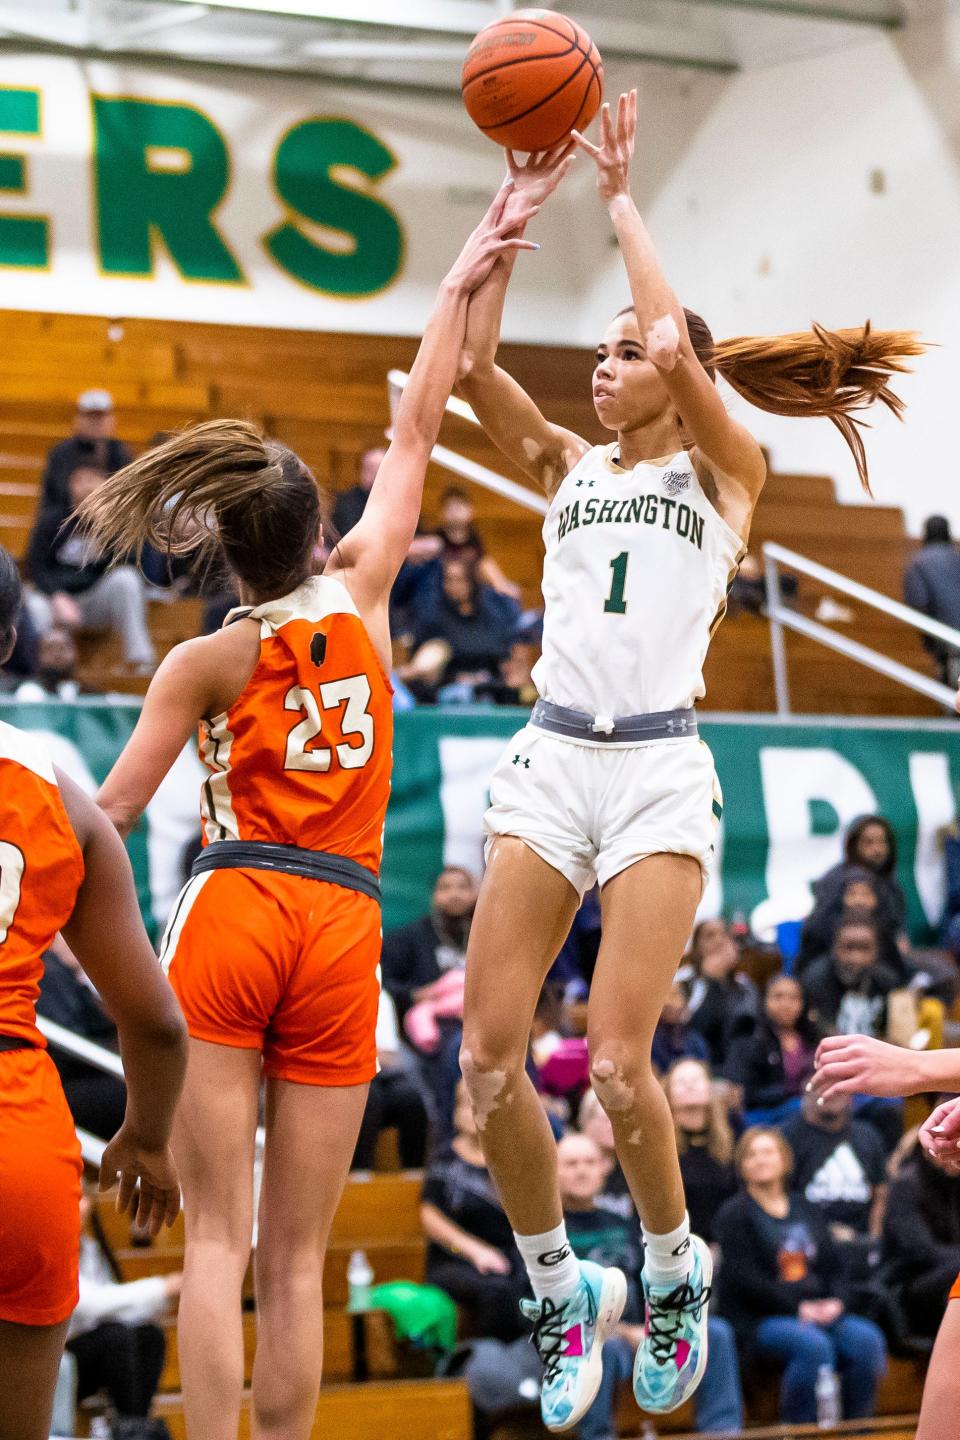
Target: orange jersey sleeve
(41, 869)
(304, 755)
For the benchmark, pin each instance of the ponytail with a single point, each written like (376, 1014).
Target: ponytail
(10, 597)
(221, 485)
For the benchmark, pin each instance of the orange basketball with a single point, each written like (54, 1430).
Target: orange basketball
(531, 78)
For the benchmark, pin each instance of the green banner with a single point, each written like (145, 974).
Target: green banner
(790, 790)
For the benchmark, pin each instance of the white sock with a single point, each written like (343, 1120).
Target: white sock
(669, 1258)
(551, 1264)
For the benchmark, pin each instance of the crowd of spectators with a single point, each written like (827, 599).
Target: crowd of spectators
(836, 1240)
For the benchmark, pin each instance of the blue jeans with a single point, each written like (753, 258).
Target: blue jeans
(852, 1346)
(717, 1404)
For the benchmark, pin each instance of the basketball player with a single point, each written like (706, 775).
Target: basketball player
(860, 1065)
(609, 781)
(274, 944)
(62, 867)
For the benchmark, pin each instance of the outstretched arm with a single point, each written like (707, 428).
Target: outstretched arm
(107, 936)
(370, 556)
(731, 451)
(860, 1065)
(543, 451)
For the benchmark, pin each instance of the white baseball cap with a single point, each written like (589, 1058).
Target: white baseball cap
(92, 401)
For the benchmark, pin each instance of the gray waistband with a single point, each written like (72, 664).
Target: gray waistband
(616, 729)
(289, 860)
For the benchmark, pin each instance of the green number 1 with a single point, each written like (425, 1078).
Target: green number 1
(615, 603)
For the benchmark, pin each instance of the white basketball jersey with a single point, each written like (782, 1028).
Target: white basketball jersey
(635, 580)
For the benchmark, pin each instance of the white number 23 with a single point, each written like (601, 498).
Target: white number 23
(354, 694)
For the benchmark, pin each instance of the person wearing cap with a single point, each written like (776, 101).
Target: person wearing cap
(932, 585)
(93, 443)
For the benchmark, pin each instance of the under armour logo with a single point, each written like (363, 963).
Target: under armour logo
(589, 484)
(554, 1257)
(518, 760)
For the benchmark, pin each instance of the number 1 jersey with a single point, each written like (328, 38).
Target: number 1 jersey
(635, 581)
(303, 756)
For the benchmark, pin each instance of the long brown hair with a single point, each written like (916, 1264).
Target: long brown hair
(832, 373)
(719, 1134)
(217, 485)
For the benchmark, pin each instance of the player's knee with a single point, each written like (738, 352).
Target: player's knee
(488, 1078)
(613, 1082)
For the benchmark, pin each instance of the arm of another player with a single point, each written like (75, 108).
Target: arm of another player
(373, 551)
(731, 450)
(860, 1065)
(514, 423)
(107, 936)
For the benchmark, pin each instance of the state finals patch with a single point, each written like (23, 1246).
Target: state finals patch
(674, 481)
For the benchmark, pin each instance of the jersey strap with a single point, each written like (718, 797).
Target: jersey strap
(289, 860)
(617, 729)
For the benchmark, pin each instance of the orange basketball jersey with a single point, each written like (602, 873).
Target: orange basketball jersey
(303, 755)
(41, 869)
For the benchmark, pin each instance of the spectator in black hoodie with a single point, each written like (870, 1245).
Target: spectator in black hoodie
(846, 991)
(416, 955)
(921, 1240)
(871, 844)
(773, 1065)
(857, 889)
(932, 585)
(780, 1287)
(75, 588)
(93, 443)
(723, 1003)
(704, 1142)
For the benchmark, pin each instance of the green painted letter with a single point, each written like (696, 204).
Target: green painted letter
(24, 239)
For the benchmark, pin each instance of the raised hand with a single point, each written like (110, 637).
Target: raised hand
(494, 236)
(858, 1064)
(615, 151)
(536, 179)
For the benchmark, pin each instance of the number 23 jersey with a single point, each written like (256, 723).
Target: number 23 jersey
(637, 569)
(303, 755)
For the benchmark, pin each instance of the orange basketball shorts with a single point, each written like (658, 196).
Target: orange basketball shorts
(955, 1292)
(40, 1174)
(279, 963)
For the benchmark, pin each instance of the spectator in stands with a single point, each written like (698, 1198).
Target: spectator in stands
(921, 1239)
(394, 1100)
(74, 588)
(608, 1238)
(97, 1099)
(350, 504)
(113, 1335)
(56, 673)
(674, 1039)
(416, 955)
(594, 1122)
(471, 1252)
(932, 585)
(514, 684)
(723, 1002)
(840, 1167)
(461, 632)
(871, 844)
(846, 991)
(704, 1142)
(93, 444)
(857, 889)
(461, 540)
(574, 966)
(772, 1066)
(780, 1284)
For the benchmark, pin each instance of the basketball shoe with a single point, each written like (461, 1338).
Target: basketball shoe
(569, 1339)
(672, 1356)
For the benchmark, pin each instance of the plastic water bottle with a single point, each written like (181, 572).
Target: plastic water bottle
(359, 1280)
(828, 1398)
(100, 1428)
(649, 1431)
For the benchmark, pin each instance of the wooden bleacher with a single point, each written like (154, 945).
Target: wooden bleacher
(325, 395)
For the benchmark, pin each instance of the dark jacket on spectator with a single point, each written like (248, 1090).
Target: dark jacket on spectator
(419, 953)
(722, 1010)
(676, 1042)
(478, 641)
(921, 1229)
(58, 559)
(755, 1062)
(932, 585)
(886, 876)
(68, 455)
(707, 1184)
(820, 925)
(751, 1285)
(860, 1007)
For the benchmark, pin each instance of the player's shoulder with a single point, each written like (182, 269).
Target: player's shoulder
(27, 750)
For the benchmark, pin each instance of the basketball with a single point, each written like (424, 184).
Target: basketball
(531, 78)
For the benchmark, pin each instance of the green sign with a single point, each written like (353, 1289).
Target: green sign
(790, 790)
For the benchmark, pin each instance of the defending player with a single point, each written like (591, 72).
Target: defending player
(274, 943)
(609, 781)
(62, 867)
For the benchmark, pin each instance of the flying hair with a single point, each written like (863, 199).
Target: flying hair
(817, 372)
(218, 486)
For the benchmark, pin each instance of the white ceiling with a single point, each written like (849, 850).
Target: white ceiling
(421, 43)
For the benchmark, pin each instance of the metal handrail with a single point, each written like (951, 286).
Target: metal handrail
(781, 618)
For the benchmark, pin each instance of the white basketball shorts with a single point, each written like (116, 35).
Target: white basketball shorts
(592, 810)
